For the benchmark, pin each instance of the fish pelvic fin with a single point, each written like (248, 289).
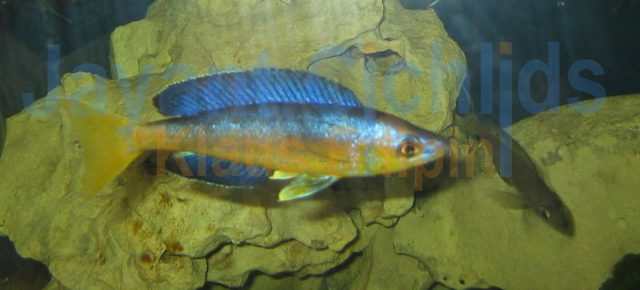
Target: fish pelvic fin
(107, 149)
(305, 185)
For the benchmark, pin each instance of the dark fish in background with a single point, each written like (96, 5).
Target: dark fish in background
(524, 178)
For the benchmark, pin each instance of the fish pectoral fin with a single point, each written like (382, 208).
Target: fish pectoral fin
(305, 185)
(509, 200)
(283, 175)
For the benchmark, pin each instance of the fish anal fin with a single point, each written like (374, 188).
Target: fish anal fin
(215, 170)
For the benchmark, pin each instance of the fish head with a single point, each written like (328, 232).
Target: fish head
(405, 145)
(543, 201)
(556, 215)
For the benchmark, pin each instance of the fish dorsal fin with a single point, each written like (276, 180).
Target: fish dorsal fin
(259, 86)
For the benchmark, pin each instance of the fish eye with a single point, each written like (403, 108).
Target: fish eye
(543, 212)
(409, 147)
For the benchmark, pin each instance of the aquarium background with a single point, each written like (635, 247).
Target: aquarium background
(35, 35)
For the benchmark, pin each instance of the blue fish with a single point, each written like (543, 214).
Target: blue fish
(275, 119)
(233, 89)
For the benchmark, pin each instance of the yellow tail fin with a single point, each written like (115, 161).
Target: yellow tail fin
(107, 148)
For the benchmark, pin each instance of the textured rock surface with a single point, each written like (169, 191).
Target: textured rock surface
(379, 267)
(397, 60)
(592, 160)
(166, 232)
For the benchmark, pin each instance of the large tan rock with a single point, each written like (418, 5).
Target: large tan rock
(163, 231)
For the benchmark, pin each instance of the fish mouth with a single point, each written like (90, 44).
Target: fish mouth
(435, 147)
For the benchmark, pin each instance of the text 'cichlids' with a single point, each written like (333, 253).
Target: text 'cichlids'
(266, 119)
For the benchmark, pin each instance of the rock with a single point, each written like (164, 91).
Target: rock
(378, 267)
(465, 239)
(381, 267)
(232, 265)
(162, 231)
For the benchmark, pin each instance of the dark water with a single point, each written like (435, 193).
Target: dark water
(32, 33)
(560, 33)
(17, 273)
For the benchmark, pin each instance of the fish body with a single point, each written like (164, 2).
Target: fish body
(235, 89)
(319, 132)
(524, 176)
(318, 139)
